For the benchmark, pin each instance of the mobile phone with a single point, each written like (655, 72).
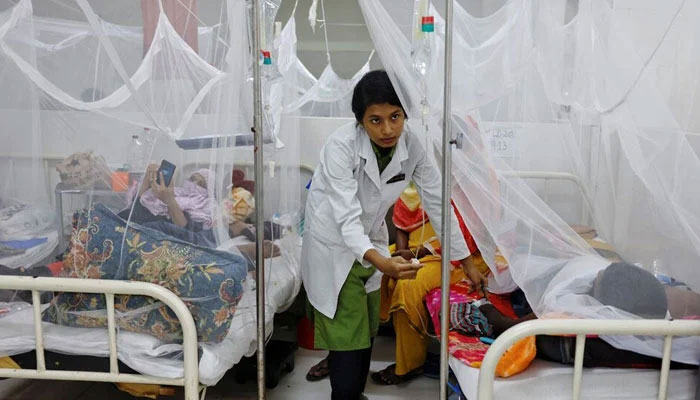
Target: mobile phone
(168, 170)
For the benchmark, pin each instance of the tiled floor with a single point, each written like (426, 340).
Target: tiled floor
(292, 386)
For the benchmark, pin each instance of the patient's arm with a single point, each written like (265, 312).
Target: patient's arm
(270, 250)
(401, 240)
(402, 249)
(500, 322)
(236, 228)
(682, 303)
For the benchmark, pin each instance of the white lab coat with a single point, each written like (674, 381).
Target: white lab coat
(347, 204)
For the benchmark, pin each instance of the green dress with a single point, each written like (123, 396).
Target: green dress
(356, 319)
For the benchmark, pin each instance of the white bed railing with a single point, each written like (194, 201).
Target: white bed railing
(546, 177)
(581, 328)
(190, 379)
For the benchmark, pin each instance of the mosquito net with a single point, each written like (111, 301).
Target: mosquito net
(328, 95)
(573, 147)
(102, 105)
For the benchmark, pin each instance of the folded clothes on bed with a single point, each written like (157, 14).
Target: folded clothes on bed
(468, 320)
(7, 251)
(24, 244)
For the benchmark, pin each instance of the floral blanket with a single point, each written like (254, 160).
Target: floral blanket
(469, 349)
(102, 247)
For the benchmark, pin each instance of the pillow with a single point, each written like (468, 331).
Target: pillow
(209, 281)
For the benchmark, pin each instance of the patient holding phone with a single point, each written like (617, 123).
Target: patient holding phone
(182, 212)
(158, 200)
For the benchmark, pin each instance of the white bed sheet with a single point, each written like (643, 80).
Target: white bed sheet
(148, 355)
(545, 380)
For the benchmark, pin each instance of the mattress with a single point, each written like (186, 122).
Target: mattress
(148, 355)
(546, 380)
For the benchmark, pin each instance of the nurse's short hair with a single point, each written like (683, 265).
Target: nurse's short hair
(374, 88)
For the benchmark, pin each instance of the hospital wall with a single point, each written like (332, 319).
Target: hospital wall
(647, 22)
(68, 132)
(65, 132)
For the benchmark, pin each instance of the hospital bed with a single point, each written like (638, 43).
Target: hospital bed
(39, 331)
(158, 362)
(548, 380)
(155, 361)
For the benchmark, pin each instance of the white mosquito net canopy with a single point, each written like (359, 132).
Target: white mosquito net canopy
(570, 92)
(96, 96)
(329, 95)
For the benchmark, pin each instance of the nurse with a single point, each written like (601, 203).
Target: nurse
(364, 167)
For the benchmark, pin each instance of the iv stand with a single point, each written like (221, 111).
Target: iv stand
(446, 195)
(259, 216)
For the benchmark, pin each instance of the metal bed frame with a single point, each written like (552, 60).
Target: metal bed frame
(581, 328)
(109, 288)
(190, 379)
(547, 177)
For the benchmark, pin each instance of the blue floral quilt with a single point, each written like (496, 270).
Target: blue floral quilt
(210, 282)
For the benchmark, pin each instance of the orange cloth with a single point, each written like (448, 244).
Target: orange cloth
(517, 358)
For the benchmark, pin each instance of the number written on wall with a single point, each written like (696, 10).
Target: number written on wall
(502, 141)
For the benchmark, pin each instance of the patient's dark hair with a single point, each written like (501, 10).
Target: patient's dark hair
(374, 88)
(631, 289)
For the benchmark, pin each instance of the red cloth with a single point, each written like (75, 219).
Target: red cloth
(503, 304)
(238, 180)
(55, 268)
(408, 221)
(471, 243)
(305, 333)
(247, 185)
(237, 175)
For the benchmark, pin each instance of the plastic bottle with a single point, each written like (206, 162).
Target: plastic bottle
(136, 159)
(657, 268)
(285, 221)
(300, 226)
(421, 46)
(270, 75)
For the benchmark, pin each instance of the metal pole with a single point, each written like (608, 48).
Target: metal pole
(259, 217)
(446, 208)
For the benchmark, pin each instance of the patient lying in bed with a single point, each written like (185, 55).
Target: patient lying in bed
(186, 212)
(625, 287)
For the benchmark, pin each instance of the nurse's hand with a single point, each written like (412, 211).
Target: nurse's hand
(398, 268)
